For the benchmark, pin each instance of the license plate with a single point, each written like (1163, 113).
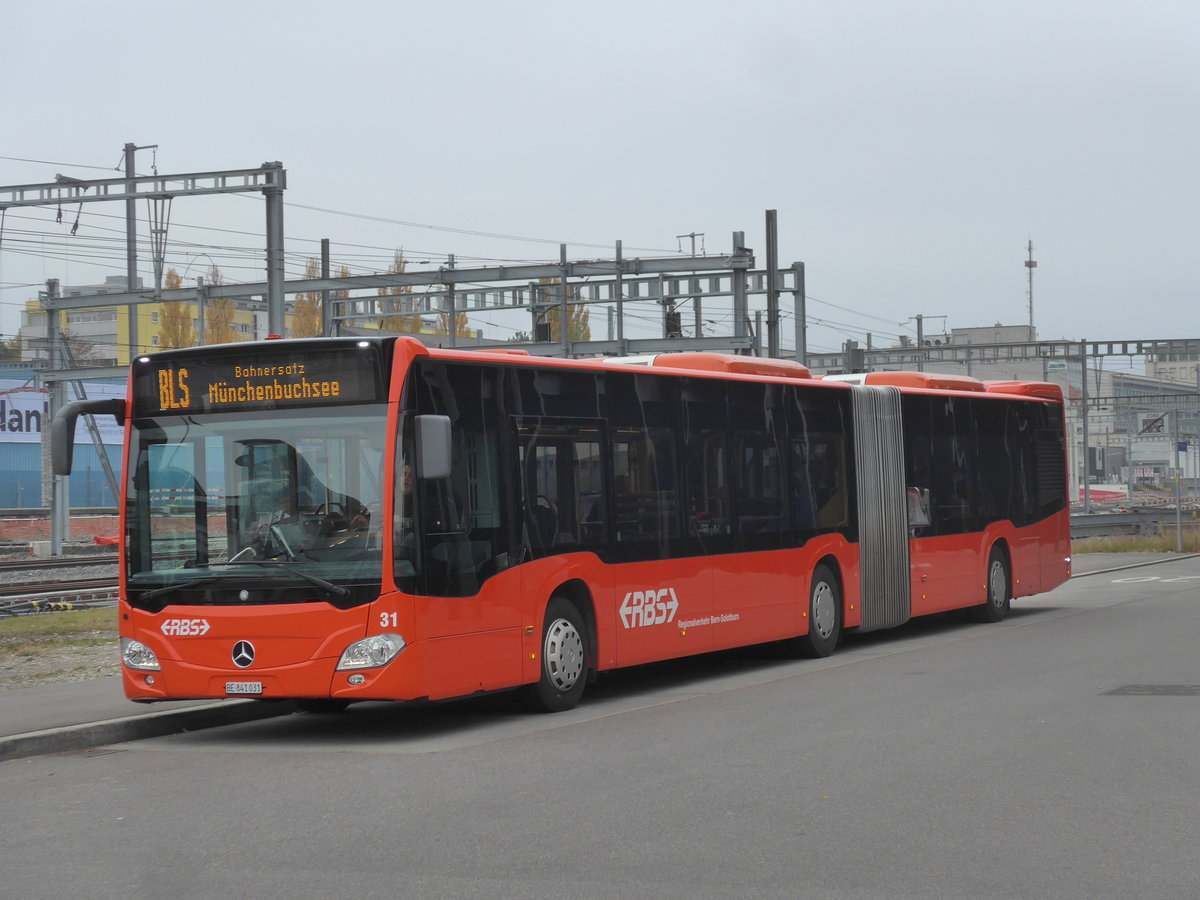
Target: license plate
(243, 687)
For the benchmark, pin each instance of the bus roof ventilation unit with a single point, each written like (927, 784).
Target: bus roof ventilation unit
(738, 365)
(1043, 389)
(929, 380)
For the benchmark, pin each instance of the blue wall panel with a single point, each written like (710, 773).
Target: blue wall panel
(21, 476)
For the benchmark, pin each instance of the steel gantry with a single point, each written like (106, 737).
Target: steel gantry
(270, 179)
(671, 282)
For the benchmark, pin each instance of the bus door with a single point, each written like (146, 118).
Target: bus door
(944, 501)
(742, 467)
(662, 595)
(563, 508)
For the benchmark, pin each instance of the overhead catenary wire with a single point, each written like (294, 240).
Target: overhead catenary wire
(400, 222)
(182, 248)
(352, 258)
(426, 226)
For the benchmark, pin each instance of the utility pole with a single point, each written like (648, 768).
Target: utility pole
(800, 302)
(131, 284)
(619, 291)
(55, 487)
(1083, 406)
(772, 229)
(1178, 487)
(920, 343)
(1129, 473)
(741, 319)
(201, 309)
(330, 320)
(1030, 264)
(564, 317)
(276, 181)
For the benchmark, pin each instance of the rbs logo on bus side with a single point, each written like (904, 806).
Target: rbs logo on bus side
(642, 608)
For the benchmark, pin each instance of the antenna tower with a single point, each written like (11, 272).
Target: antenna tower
(1030, 264)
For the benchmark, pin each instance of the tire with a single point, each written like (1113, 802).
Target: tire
(322, 705)
(824, 616)
(564, 660)
(999, 594)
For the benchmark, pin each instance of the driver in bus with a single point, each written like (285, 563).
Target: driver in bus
(284, 513)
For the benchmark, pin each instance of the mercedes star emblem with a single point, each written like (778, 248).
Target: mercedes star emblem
(243, 654)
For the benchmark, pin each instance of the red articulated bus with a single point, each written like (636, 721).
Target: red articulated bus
(341, 519)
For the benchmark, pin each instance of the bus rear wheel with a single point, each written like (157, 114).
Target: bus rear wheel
(999, 597)
(824, 615)
(564, 660)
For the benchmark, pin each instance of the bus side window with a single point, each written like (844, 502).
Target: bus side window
(562, 483)
(918, 507)
(804, 508)
(822, 485)
(756, 420)
(540, 465)
(705, 482)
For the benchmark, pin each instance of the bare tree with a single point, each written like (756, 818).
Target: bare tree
(81, 352)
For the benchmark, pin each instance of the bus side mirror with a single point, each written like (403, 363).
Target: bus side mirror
(433, 446)
(62, 429)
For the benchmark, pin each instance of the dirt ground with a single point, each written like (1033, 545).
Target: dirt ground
(48, 660)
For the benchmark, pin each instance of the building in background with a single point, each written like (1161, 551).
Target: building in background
(100, 336)
(1183, 367)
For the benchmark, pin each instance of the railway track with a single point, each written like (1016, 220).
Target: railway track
(33, 564)
(56, 595)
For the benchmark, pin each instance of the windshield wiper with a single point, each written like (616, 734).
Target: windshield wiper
(182, 586)
(336, 589)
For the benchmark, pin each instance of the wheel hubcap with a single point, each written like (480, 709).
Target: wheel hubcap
(824, 611)
(997, 584)
(563, 654)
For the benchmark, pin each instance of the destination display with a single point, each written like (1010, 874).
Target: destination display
(226, 382)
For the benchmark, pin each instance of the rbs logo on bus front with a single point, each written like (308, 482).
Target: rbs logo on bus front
(642, 608)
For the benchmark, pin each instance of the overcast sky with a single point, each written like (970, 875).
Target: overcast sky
(911, 148)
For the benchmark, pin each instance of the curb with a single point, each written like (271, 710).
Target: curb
(1138, 565)
(131, 728)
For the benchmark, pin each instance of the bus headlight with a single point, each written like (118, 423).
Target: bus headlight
(371, 653)
(137, 655)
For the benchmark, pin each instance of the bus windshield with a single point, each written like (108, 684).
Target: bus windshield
(239, 507)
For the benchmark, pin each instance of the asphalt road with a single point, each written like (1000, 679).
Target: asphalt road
(1052, 755)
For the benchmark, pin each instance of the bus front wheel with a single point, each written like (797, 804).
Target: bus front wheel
(998, 601)
(824, 615)
(564, 661)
